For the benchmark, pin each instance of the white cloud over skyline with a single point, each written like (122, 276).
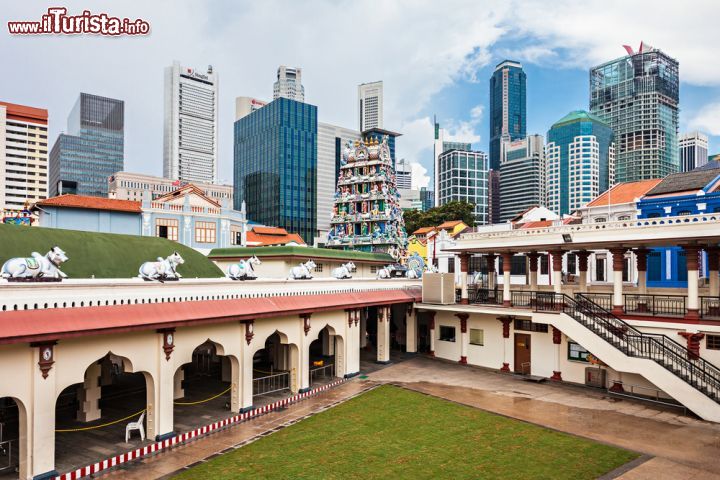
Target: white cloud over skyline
(405, 43)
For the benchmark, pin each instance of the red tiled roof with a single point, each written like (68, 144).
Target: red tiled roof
(624, 192)
(450, 224)
(92, 203)
(56, 323)
(25, 113)
(423, 230)
(537, 224)
(266, 236)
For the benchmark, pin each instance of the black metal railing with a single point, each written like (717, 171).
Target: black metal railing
(487, 296)
(710, 307)
(644, 304)
(605, 300)
(692, 369)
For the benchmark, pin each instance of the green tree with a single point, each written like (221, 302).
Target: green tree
(433, 217)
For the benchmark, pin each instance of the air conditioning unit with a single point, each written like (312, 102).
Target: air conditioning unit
(438, 288)
(595, 377)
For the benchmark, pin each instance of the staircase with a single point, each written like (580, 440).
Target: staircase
(692, 381)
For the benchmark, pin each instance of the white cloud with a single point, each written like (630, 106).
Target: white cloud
(420, 178)
(707, 119)
(477, 111)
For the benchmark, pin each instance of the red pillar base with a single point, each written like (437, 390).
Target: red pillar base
(505, 367)
(463, 361)
(617, 310)
(692, 314)
(464, 301)
(617, 387)
(507, 303)
(556, 376)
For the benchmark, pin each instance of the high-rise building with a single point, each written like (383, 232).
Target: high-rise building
(522, 176)
(580, 157)
(370, 105)
(637, 96)
(379, 134)
(440, 146)
(508, 114)
(403, 174)
(289, 84)
(331, 141)
(693, 150)
(82, 160)
(134, 186)
(427, 197)
(464, 178)
(190, 141)
(246, 105)
(275, 166)
(23, 155)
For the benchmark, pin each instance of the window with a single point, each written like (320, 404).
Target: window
(318, 267)
(683, 213)
(544, 265)
(600, 269)
(477, 336)
(373, 268)
(712, 342)
(205, 232)
(530, 326)
(235, 236)
(577, 352)
(600, 220)
(451, 265)
(623, 218)
(447, 334)
(166, 228)
(571, 263)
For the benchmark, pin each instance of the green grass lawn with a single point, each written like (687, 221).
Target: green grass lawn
(393, 433)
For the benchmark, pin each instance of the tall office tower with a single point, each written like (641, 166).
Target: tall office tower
(439, 146)
(464, 178)
(246, 105)
(82, 160)
(331, 141)
(693, 151)
(289, 84)
(522, 176)
(190, 141)
(23, 155)
(508, 115)
(275, 166)
(427, 197)
(580, 157)
(637, 96)
(370, 105)
(403, 174)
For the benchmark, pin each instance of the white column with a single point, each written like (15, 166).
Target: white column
(352, 343)
(618, 257)
(693, 292)
(464, 340)
(41, 420)
(411, 331)
(383, 335)
(557, 270)
(507, 265)
(245, 370)
(431, 330)
(304, 354)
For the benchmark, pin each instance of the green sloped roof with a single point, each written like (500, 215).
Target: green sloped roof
(290, 251)
(578, 116)
(104, 255)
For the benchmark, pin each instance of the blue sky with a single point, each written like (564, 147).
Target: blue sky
(434, 57)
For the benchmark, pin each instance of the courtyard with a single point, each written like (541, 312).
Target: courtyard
(392, 432)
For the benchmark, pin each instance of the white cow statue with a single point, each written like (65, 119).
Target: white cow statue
(37, 266)
(411, 273)
(385, 272)
(163, 269)
(343, 271)
(302, 271)
(243, 270)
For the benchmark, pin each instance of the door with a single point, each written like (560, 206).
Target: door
(522, 353)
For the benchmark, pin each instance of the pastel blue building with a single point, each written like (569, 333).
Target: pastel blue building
(186, 216)
(92, 150)
(275, 166)
(689, 193)
(508, 110)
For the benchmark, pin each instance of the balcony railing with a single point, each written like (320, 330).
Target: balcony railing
(655, 304)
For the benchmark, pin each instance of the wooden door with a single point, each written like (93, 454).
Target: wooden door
(522, 353)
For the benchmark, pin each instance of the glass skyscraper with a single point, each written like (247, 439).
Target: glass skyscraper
(82, 160)
(637, 95)
(508, 116)
(464, 178)
(580, 158)
(275, 166)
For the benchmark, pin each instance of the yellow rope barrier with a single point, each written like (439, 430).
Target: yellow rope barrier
(99, 426)
(206, 400)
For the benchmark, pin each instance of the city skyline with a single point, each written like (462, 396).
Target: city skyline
(557, 66)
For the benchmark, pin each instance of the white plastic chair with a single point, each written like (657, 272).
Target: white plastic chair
(139, 425)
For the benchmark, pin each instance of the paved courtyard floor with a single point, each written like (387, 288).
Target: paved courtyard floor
(676, 446)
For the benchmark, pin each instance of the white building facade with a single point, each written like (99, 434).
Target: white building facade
(522, 176)
(464, 178)
(289, 84)
(403, 174)
(370, 103)
(244, 106)
(132, 186)
(191, 124)
(23, 155)
(693, 150)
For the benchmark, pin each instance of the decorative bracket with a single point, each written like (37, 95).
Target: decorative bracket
(168, 342)
(306, 322)
(249, 333)
(46, 354)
